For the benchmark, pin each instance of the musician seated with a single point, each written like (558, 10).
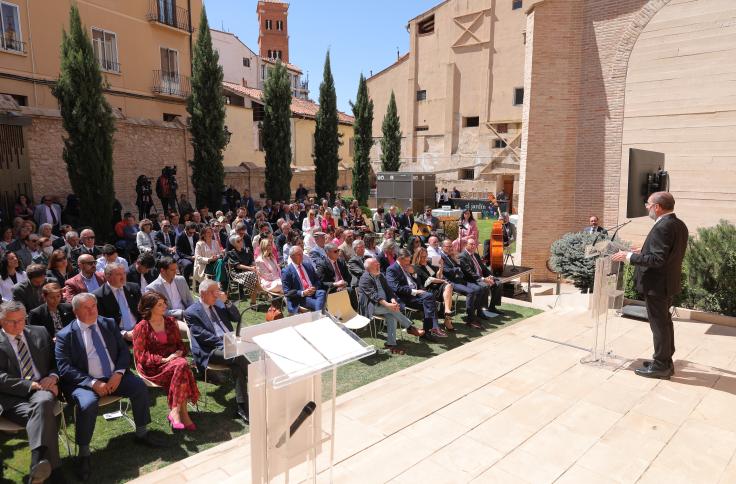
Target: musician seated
(594, 228)
(402, 280)
(430, 222)
(509, 230)
(475, 271)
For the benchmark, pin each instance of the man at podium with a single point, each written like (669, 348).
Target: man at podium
(658, 276)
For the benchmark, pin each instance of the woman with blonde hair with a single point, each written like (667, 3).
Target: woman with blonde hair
(207, 253)
(144, 238)
(430, 279)
(269, 271)
(310, 225)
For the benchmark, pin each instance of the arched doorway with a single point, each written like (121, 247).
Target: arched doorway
(681, 100)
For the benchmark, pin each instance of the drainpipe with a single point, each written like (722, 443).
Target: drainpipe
(191, 53)
(33, 57)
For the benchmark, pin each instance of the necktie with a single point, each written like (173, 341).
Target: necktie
(477, 266)
(303, 277)
(54, 221)
(101, 352)
(166, 238)
(393, 222)
(125, 316)
(338, 275)
(216, 320)
(26, 364)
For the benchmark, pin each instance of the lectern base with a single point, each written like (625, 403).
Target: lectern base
(608, 361)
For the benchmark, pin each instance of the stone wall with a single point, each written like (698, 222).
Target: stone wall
(141, 147)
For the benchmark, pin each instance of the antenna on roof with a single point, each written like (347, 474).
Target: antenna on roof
(398, 54)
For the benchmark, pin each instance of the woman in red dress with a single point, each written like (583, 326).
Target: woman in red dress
(159, 357)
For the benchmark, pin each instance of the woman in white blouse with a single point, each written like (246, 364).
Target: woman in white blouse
(144, 238)
(309, 227)
(206, 253)
(10, 275)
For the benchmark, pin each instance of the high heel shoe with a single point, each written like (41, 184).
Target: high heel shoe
(448, 323)
(175, 425)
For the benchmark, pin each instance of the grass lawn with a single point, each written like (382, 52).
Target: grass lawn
(115, 458)
(485, 226)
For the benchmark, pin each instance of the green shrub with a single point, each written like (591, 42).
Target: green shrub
(630, 291)
(710, 266)
(568, 258)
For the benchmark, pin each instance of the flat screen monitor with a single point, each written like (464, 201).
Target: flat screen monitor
(646, 176)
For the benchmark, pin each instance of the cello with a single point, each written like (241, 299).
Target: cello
(496, 248)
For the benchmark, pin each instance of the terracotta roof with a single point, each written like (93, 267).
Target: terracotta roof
(290, 67)
(299, 107)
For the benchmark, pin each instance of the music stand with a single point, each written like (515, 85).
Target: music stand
(293, 364)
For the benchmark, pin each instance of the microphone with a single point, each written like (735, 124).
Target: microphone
(618, 227)
(303, 415)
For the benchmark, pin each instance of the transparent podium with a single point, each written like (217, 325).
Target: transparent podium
(292, 385)
(606, 301)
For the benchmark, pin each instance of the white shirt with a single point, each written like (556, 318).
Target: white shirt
(434, 255)
(90, 283)
(306, 276)
(102, 263)
(411, 282)
(120, 295)
(219, 326)
(94, 368)
(49, 212)
(14, 343)
(173, 293)
(143, 284)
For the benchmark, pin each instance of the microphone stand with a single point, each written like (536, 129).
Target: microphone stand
(618, 227)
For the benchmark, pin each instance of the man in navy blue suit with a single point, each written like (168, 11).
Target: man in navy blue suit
(401, 281)
(208, 320)
(93, 361)
(300, 283)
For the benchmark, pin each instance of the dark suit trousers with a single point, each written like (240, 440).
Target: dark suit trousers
(86, 400)
(239, 368)
(37, 414)
(186, 268)
(474, 297)
(426, 303)
(663, 331)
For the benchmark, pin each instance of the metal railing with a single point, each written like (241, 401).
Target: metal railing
(12, 45)
(166, 12)
(171, 84)
(109, 66)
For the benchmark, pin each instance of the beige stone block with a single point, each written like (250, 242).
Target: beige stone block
(580, 475)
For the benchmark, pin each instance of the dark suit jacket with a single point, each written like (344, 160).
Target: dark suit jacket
(12, 386)
(368, 293)
(183, 250)
(397, 281)
(387, 220)
(71, 354)
(452, 270)
(468, 268)
(326, 272)
(356, 268)
(161, 244)
(135, 277)
(204, 338)
(30, 296)
(658, 269)
(406, 221)
(42, 317)
(108, 307)
(292, 284)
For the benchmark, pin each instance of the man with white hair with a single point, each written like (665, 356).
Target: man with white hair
(302, 288)
(94, 361)
(118, 300)
(375, 298)
(433, 250)
(208, 320)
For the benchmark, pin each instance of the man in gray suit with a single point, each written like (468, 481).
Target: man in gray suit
(29, 387)
(48, 212)
(174, 288)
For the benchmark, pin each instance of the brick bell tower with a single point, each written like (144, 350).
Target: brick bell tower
(273, 32)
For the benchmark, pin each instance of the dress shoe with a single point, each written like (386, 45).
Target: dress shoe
(651, 372)
(475, 325)
(149, 440)
(414, 331)
(82, 467)
(242, 414)
(494, 309)
(647, 363)
(40, 472)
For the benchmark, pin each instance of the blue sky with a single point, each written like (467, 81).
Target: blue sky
(362, 35)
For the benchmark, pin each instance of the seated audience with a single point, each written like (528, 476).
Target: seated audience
(356, 266)
(375, 298)
(269, 272)
(109, 256)
(29, 292)
(10, 274)
(387, 256)
(455, 276)
(86, 281)
(402, 280)
(433, 251)
(332, 271)
(475, 271)
(173, 287)
(207, 254)
(118, 300)
(142, 271)
(432, 279)
(94, 361)
(166, 239)
(240, 259)
(52, 314)
(160, 357)
(59, 268)
(208, 320)
(29, 387)
(144, 239)
(44, 250)
(87, 237)
(185, 245)
(302, 288)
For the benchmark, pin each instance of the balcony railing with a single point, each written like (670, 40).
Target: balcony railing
(167, 13)
(12, 45)
(171, 84)
(109, 66)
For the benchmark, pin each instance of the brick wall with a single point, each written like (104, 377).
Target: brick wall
(141, 147)
(576, 62)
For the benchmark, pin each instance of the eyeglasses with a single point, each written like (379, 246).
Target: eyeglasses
(649, 205)
(14, 321)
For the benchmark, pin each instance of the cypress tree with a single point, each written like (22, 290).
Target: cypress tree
(277, 133)
(391, 141)
(206, 106)
(363, 140)
(88, 121)
(326, 136)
